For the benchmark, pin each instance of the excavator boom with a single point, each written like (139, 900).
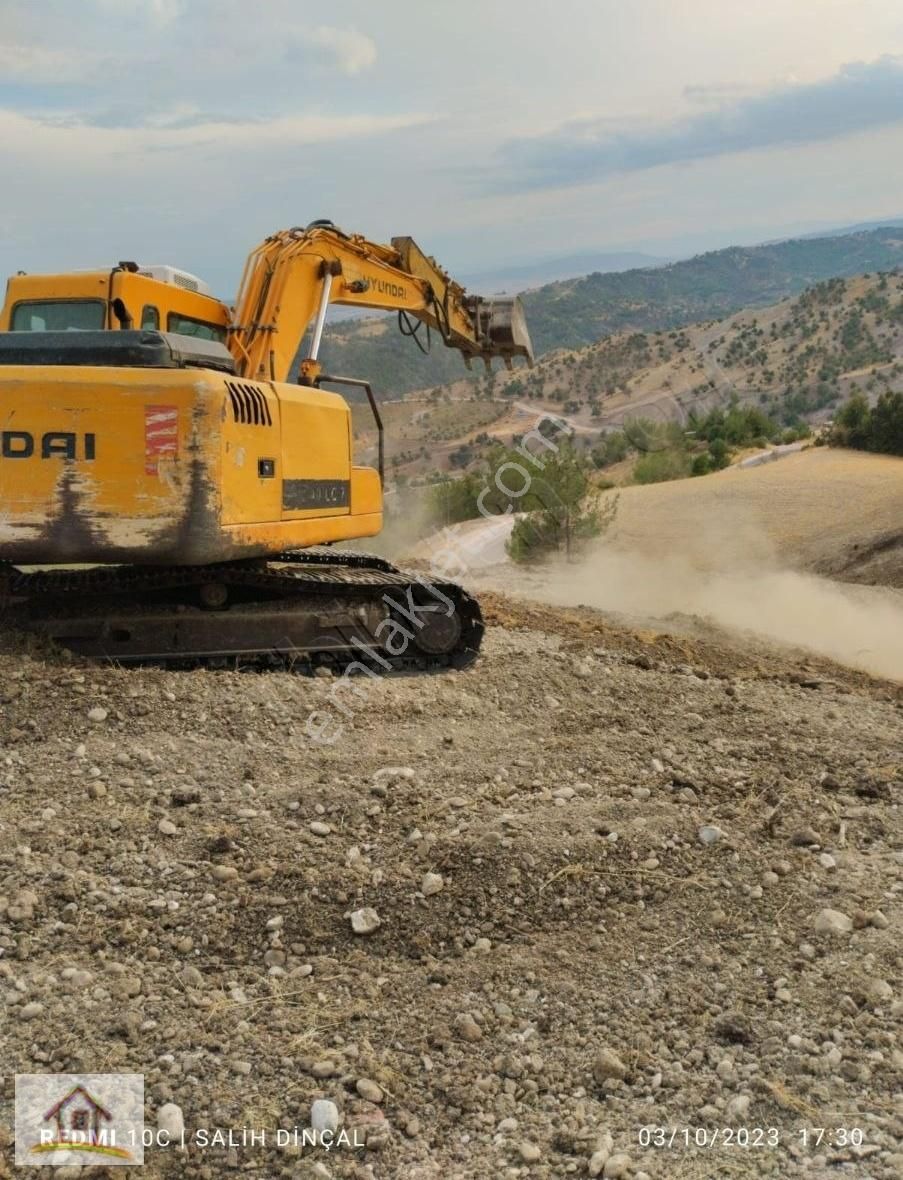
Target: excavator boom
(293, 276)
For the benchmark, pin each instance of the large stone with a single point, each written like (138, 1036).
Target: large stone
(365, 921)
(616, 1166)
(829, 921)
(737, 1109)
(191, 977)
(878, 991)
(709, 834)
(390, 772)
(608, 1065)
(369, 1090)
(171, 1121)
(324, 1116)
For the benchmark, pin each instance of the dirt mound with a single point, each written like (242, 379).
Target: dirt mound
(597, 862)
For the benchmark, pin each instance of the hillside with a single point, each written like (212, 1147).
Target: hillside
(511, 279)
(579, 312)
(833, 512)
(796, 360)
(806, 551)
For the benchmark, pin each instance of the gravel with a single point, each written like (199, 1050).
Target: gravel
(561, 990)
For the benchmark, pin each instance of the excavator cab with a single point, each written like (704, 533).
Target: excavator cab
(152, 298)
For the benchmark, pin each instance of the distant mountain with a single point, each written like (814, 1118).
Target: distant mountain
(513, 279)
(707, 287)
(576, 312)
(859, 228)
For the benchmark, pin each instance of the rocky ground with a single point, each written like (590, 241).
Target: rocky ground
(607, 881)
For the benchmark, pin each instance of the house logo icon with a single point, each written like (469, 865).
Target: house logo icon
(79, 1122)
(86, 1119)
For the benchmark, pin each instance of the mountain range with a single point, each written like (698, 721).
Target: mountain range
(576, 312)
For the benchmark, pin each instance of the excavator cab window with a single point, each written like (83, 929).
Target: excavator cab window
(150, 317)
(186, 326)
(59, 315)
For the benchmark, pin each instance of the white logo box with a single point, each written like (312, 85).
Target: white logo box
(90, 1120)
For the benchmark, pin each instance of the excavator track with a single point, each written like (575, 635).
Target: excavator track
(302, 609)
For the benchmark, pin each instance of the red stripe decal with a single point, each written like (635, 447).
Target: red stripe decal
(161, 436)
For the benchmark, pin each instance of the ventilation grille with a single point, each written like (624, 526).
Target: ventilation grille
(249, 406)
(185, 281)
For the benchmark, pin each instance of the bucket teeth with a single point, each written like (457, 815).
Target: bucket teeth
(503, 330)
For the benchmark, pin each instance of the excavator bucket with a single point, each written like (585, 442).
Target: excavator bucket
(503, 330)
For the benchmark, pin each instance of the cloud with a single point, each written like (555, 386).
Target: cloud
(349, 50)
(165, 11)
(861, 97)
(156, 12)
(207, 43)
(181, 129)
(45, 66)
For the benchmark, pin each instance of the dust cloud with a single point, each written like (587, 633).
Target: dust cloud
(738, 584)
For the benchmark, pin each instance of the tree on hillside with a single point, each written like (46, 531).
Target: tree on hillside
(887, 424)
(452, 500)
(852, 424)
(563, 508)
(612, 448)
(871, 429)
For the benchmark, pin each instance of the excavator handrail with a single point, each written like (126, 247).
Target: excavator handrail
(357, 383)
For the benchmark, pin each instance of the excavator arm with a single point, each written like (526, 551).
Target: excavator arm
(294, 275)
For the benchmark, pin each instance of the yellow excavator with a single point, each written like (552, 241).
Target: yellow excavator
(168, 494)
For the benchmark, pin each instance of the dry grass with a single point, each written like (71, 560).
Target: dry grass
(822, 509)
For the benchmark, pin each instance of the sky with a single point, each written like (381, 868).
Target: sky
(496, 132)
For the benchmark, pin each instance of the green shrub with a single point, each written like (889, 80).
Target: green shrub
(878, 428)
(702, 464)
(658, 466)
(612, 448)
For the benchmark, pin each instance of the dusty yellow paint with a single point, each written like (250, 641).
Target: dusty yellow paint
(202, 498)
(284, 279)
(136, 291)
(190, 466)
